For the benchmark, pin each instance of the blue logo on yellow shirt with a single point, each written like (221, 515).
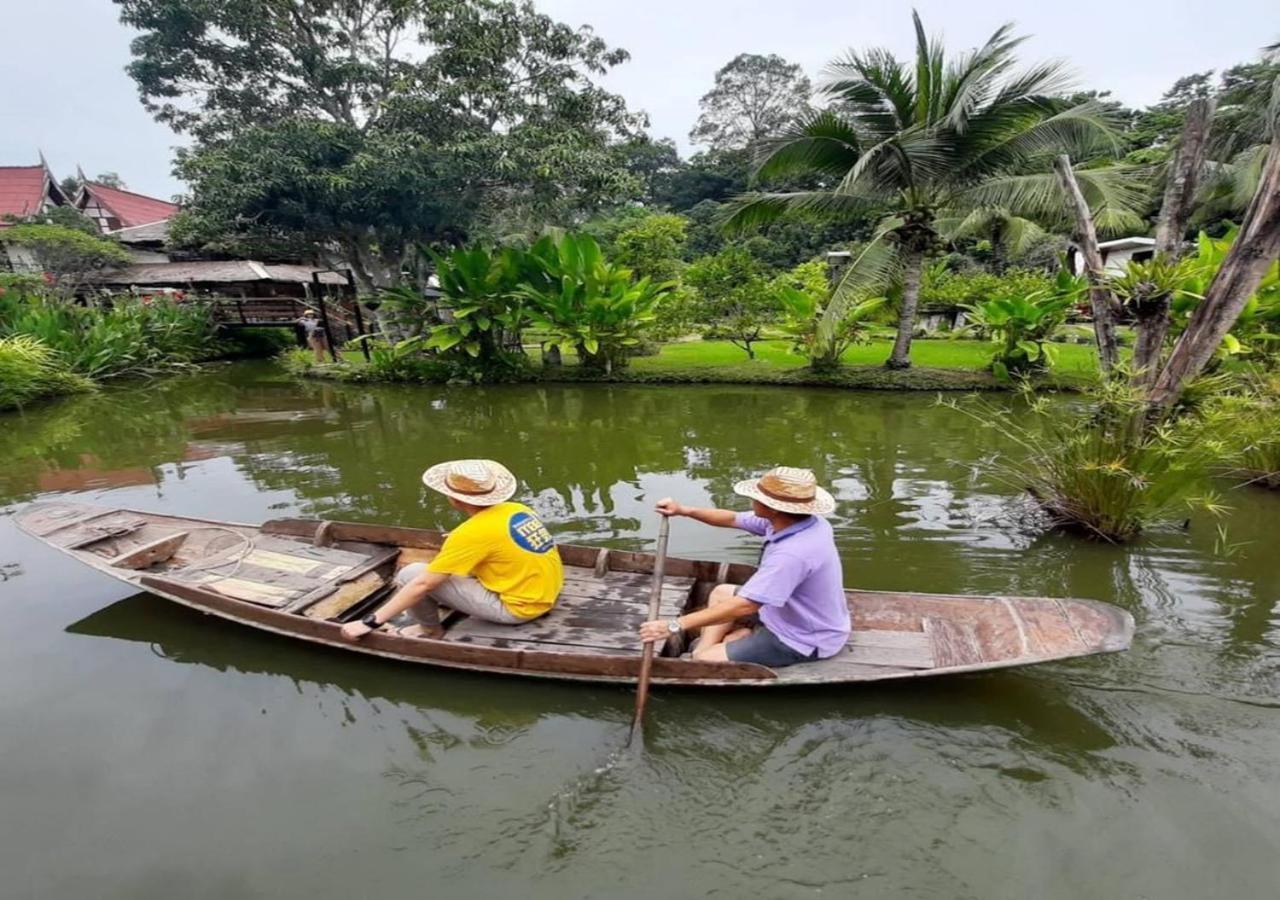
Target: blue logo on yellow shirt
(529, 533)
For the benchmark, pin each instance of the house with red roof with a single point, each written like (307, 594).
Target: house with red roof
(27, 191)
(113, 208)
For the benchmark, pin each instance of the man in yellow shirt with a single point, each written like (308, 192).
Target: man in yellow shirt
(500, 565)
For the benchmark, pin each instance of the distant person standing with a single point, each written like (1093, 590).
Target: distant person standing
(313, 331)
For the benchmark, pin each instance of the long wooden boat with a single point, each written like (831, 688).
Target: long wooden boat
(303, 578)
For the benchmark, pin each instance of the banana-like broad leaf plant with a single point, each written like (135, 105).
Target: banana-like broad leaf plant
(584, 303)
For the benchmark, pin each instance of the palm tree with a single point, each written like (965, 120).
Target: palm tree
(941, 145)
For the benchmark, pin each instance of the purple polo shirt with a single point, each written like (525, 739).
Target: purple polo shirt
(799, 585)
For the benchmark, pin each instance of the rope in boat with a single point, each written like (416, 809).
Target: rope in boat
(247, 547)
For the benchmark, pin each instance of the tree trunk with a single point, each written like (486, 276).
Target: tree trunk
(1175, 211)
(1100, 300)
(1255, 249)
(913, 266)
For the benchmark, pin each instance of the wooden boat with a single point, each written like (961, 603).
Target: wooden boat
(304, 578)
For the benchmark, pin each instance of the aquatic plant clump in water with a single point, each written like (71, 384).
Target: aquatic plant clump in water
(1096, 470)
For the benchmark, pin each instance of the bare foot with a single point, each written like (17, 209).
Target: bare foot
(421, 631)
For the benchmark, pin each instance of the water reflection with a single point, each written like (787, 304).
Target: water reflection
(407, 776)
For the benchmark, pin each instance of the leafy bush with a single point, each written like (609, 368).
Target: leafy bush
(68, 256)
(30, 370)
(734, 302)
(132, 337)
(1022, 324)
(484, 308)
(941, 288)
(585, 303)
(805, 295)
(1096, 470)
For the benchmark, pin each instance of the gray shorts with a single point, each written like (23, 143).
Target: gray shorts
(763, 648)
(466, 595)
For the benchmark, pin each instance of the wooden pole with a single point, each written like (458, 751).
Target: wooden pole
(324, 316)
(355, 303)
(655, 605)
(1100, 299)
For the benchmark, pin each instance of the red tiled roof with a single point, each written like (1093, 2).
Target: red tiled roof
(130, 208)
(21, 191)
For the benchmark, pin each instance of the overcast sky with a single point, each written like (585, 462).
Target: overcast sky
(63, 88)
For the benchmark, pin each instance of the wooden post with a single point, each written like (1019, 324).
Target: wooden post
(1100, 300)
(355, 303)
(1255, 250)
(324, 316)
(1175, 211)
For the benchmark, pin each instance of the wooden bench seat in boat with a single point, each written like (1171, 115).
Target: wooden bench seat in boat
(594, 614)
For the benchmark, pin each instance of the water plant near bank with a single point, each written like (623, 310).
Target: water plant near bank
(1096, 470)
(31, 370)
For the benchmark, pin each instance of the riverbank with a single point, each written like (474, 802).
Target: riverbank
(34, 371)
(938, 365)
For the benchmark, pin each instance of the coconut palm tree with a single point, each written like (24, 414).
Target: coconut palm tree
(941, 144)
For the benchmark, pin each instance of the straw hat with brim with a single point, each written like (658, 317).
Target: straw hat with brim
(788, 490)
(310, 312)
(480, 482)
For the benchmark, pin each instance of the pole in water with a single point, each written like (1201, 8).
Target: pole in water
(655, 602)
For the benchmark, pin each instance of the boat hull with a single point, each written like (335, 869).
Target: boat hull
(303, 578)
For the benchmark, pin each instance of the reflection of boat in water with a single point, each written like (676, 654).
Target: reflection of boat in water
(303, 578)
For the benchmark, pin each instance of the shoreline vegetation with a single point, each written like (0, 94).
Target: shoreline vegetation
(940, 365)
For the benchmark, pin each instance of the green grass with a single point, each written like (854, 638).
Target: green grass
(1074, 360)
(938, 365)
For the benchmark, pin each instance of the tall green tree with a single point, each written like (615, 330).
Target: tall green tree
(755, 96)
(370, 125)
(937, 138)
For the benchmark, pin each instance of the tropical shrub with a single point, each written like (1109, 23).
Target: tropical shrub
(804, 295)
(1096, 470)
(483, 309)
(30, 370)
(130, 337)
(1022, 324)
(1257, 330)
(587, 304)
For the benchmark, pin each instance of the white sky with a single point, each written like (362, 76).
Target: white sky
(63, 88)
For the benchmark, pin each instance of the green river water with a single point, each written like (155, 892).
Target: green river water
(147, 751)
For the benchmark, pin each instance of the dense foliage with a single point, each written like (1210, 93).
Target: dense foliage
(322, 124)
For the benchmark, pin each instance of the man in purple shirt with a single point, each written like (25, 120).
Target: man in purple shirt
(793, 608)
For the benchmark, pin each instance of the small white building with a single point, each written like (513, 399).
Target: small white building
(1116, 254)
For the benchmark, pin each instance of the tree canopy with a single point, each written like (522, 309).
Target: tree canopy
(368, 124)
(754, 97)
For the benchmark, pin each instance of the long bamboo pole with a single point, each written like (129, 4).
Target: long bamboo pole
(655, 604)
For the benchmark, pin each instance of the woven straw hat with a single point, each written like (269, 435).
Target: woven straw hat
(480, 482)
(788, 490)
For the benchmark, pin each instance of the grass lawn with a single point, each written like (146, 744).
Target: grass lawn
(936, 365)
(1073, 360)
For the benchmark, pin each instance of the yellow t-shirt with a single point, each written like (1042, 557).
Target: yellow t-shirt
(508, 550)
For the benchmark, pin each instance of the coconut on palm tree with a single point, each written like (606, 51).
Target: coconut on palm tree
(937, 145)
